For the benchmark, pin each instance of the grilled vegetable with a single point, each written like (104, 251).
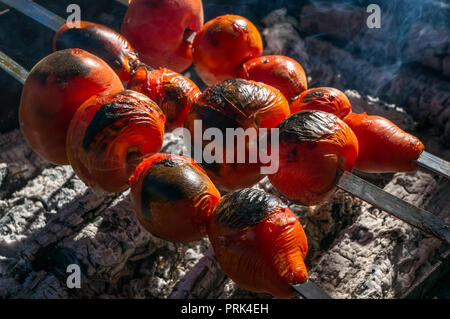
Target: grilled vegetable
(222, 45)
(101, 41)
(326, 99)
(173, 92)
(173, 197)
(233, 104)
(281, 72)
(383, 146)
(259, 242)
(313, 146)
(161, 31)
(55, 88)
(110, 134)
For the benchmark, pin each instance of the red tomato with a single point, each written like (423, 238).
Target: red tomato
(222, 45)
(110, 134)
(173, 197)
(161, 31)
(55, 88)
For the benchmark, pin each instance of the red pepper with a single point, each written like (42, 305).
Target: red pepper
(383, 146)
(173, 92)
(259, 242)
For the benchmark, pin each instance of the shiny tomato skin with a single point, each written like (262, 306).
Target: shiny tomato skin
(314, 146)
(281, 72)
(55, 88)
(383, 146)
(174, 93)
(222, 45)
(325, 99)
(110, 134)
(259, 242)
(173, 197)
(101, 41)
(161, 31)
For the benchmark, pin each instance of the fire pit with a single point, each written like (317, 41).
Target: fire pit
(49, 219)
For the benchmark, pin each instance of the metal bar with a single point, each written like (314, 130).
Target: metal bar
(36, 12)
(395, 206)
(434, 163)
(124, 2)
(309, 290)
(13, 68)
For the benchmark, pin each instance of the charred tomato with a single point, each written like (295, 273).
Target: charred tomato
(110, 134)
(173, 197)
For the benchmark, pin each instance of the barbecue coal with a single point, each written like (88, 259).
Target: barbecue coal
(355, 250)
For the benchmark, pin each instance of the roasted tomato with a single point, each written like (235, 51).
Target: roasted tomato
(222, 45)
(383, 146)
(102, 41)
(227, 106)
(161, 31)
(173, 92)
(313, 146)
(279, 71)
(55, 88)
(110, 134)
(173, 197)
(325, 99)
(259, 242)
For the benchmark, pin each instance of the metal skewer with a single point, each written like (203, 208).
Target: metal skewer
(36, 12)
(309, 290)
(395, 206)
(434, 164)
(13, 68)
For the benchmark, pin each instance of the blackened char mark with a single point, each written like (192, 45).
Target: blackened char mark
(245, 207)
(170, 181)
(62, 66)
(308, 126)
(106, 116)
(92, 39)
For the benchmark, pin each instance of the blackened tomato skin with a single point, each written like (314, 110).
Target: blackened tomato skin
(101, 41)
(55, 88)
(173, 92)
(236, 104)
(314, 146)
(222, 45)
(259, 242)
(173, 197)
(161, 31)
(110, 134)
(325, 99)
(281, 72)
(383, 146)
